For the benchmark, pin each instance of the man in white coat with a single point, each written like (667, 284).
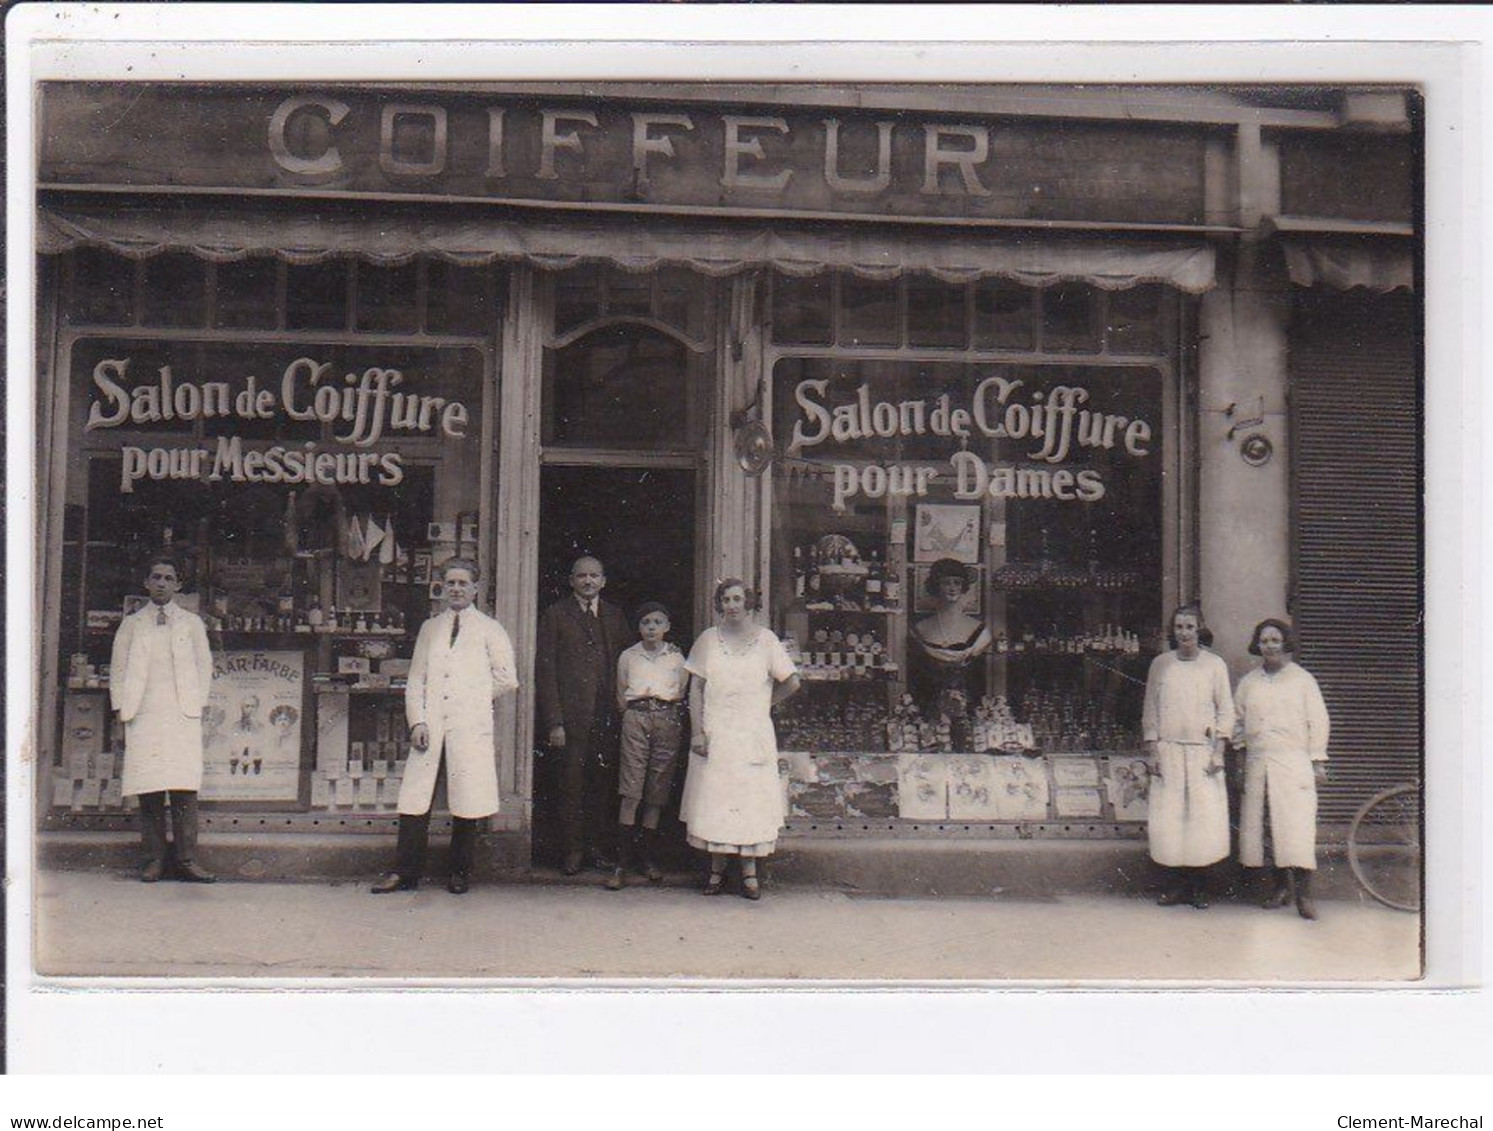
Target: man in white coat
(160, 676)
(463, 661)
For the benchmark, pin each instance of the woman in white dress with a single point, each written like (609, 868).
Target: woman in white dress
(1283, 728)
(733, 800)
(1189, 713)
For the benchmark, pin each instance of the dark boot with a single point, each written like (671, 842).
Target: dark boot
(649, 844)
(1304, 905)
(1197, 888)
(463, 842)
(1278, 893)
(409, 855)
(626, 836)
(184, 830)
(153, 836)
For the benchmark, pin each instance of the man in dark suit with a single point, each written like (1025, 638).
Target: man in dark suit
(575, 673)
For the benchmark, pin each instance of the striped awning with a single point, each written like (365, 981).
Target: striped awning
(224, 232)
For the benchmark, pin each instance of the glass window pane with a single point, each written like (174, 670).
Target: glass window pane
(622, 386)
(386, 298)
(459, 300)
(868, 312)
(103, 287)
(174, 291)
(935, 313)
(246, 294)
(1135, 320)
(577, 298)
(316, 296)
(681, 300)
(1070, 318)
(801, 310)
(628, 293)
(1005, 315)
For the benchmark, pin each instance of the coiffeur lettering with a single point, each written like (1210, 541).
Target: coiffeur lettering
(369, 403)
(1051, 420)
(956, 149)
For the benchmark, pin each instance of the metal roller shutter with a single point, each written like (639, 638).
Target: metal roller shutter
(1356, 469)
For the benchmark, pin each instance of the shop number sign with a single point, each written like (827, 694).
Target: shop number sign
(364, 407)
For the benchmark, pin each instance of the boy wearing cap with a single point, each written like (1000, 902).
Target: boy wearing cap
(651, 684)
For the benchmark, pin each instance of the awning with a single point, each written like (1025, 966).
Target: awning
(224, 233)
(1374, 265)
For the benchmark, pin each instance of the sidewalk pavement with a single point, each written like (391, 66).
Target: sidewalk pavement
(109, 924)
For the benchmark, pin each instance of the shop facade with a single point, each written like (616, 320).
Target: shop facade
(1086, 345)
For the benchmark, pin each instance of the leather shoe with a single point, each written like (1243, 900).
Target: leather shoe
(152, 872)
(715, 884)
(191, 872)
(573, 862)
(650, 870)
(394, 882)
(751, 888)
(458, 884)
(616, 880)
(1305, 907)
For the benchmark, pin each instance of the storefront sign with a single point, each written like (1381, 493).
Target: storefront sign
(611, 154)
(251, 727)
(1047, 424)
(362, 408)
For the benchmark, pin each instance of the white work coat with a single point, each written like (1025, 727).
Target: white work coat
(1188, 708)
(1283, 728)
(160, 677)
(451, 690)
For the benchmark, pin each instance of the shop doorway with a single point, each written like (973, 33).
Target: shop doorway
(640, 521)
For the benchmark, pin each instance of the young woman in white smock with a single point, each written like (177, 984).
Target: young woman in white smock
(1283, 728)
(1189, 713)
(733, 799)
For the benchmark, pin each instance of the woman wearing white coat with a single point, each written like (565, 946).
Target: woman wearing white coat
(463, 661)
(1283, 728)
(1189, 714)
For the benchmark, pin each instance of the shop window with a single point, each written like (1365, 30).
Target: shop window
(316, 295)
(388, 299)
(621, 386)
(1005, 315)
(312, 555)
(627, 293)
(103, 288)
(802, 310)
(1053, 545)
(174, 291)
(1070, 318)
(936, 315)
(459, 300)
(868, 312)
(1134, 320)
(673, 296)
(246, 295)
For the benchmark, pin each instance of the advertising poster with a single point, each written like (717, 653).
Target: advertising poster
(251, 728)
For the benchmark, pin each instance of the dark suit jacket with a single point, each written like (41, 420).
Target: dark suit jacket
(575, 665)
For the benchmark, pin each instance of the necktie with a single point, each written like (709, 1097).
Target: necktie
(161, 614)
(455, 628)
(591, 608)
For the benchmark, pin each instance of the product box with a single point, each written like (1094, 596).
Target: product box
(394, 666)
(353, 665)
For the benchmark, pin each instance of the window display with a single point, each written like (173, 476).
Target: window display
(967, 565)
(307, 491)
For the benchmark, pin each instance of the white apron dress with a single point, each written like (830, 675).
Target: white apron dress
(1283, 727)
(1188, 706)
(160, 677)
(451, 689)
(733, 799)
